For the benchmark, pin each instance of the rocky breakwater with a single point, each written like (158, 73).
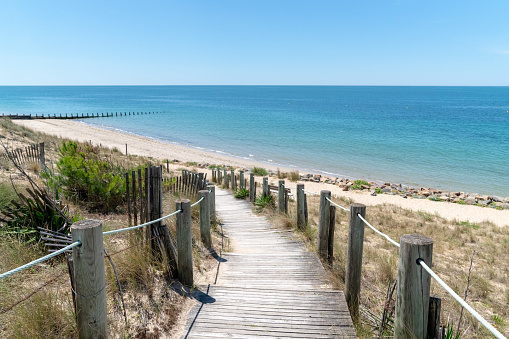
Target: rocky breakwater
(462, 198)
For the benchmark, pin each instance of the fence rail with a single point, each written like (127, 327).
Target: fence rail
(33, 152)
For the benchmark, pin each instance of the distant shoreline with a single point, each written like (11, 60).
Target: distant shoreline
(142, 146)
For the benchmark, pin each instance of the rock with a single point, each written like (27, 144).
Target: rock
(455, 200)
(483, 203)
(386, 190)
(346, 188)
(506, 200)
(470, 201)
(426, 193)
(445, 198)
(387, 184)
(497, 199)
(365, 186)
(505, 206)
(373, 193)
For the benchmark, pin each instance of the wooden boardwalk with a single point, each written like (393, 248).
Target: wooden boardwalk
(269, 286)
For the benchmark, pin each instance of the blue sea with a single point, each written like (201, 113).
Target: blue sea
(451, 138)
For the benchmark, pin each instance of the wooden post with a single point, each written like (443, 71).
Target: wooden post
(265, 187)
(184, 242)
(306, 209)
(241, 180)
(167, 166)
(89, 277)
(212, 199)
(148, 229)
(281, 196)
(354, 259)
(412, 300)
(140, 193)
(332, 226)
(135, 211)
(252, 189)
(323, 224)
(301, 219)
(128, 198)
(125, 149)
(156, 197)
(233, 179)
(205, 218)
(435, 305)
(225, 178)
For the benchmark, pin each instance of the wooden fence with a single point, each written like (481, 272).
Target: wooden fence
(33, 152)
(72, 115)
(417, 313)
(145, 201)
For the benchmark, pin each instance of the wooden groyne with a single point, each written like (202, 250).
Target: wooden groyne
(73, 115)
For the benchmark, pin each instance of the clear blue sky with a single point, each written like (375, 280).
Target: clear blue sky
(256, 42)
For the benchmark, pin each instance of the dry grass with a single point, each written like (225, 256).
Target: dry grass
(454, 243)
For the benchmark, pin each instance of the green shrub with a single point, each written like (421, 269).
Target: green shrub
(86, 178)
(260, 171)
(434, 198)
(263, 202)
(294, 175)
(461, 202)
(378, 190)
(241, 193)
(357, 184)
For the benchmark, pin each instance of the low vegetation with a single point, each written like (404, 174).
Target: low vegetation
(259, 171)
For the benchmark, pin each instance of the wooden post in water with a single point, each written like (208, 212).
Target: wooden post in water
(89, 278)
(301, 218)
(184, 242)
(241, 180)
(205, 218)
(412, 299)
(281, 196)
(354, 259)
(323, 224)
(252, 187)
(265, 187)
(332, 226)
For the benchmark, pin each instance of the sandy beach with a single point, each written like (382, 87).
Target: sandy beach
(137, 145)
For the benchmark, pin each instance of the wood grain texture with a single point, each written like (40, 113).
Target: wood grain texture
(184, 242)
(205, 218)
(323, 224)
(268, 286)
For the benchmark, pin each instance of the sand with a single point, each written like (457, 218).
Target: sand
(76, 130)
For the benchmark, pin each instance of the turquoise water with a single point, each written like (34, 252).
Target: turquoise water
(454, 138)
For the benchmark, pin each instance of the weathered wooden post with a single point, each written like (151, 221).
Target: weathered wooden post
(281, 196)
(252, 189)
(323, 224)
(241, 180)
(301, 218)
(140, 196)
(42, 158)
(225, 178)
(205, 218)
(135, 211)
(435, 305)
(212, 199)
(354, 259)
(89, 278)
(128, 198)
(265, 187)
(412, 300)
(332, 226)
(233, 179)
(184, 242)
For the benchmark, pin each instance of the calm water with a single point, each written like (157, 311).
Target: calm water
(443, 137)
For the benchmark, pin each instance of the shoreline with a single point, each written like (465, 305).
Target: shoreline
(143, 146)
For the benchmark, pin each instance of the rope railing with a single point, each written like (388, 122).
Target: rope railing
(196, 203)
(476, 315)
(443, 284)
(312, 193)
(377, 231)
(332, 202)
(141, 225)
(40, 260)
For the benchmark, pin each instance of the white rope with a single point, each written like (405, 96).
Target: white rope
(139, 226)
(196, 203)
(343, 208)
(312, 192)
(462, 302)
(377, 231)
(37, 261)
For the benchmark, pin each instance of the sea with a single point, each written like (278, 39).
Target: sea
(449, 138)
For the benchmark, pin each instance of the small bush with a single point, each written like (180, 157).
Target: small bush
(357, 184)
(88, 179)
(378, 190)
(265, 202)
(294, 175)
(241, 193)
(434, 198)
(260, 171)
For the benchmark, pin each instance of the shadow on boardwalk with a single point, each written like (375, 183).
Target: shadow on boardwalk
(269, 286)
